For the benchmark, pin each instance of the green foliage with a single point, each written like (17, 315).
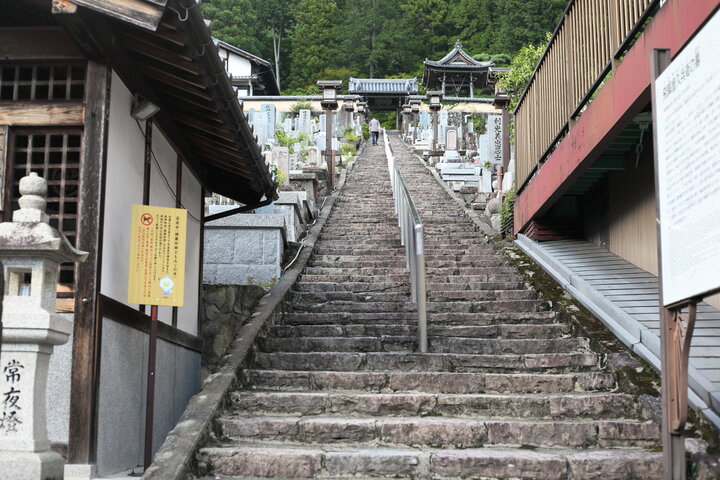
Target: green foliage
(365, 131)
(350, 135)
(235, 22)
(507, 211)
(297, 106)
(308, 90)
(335, 39)
(279, 176)
(514, 81)
(283, 139)
(387, 119)
(479, 121)
(499, 59)
(347, 150)
(312, 41)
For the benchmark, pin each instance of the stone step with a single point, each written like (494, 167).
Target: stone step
(427, 362)
(428, 382)
(477, 406)
(453, 307)
(390, 343)
(410, 318)
(441, 431)
(504, 331)
(354, 287)
(303, 297)
(289, 462)
(474, 282)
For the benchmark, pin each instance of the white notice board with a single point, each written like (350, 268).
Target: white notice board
(687, 129)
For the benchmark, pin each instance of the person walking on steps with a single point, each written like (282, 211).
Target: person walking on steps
(374, 130)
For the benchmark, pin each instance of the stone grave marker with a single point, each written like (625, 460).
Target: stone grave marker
(267, 117)
(303, 122)
(281, 157)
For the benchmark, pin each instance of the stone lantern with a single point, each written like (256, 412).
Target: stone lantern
(435, 99)
(31, 252)
(329, 103)
(415, 109)
(406, 119)
(349, 107)
(361, 112)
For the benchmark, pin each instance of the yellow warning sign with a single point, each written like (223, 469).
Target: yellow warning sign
(156, 273)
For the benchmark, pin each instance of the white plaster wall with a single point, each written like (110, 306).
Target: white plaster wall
(126, 147)
(123, 188)
(192, 199)
(162, 194)
(237, 65)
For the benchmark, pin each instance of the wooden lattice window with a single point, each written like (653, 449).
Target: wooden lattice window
(42, 82)
(54, 154)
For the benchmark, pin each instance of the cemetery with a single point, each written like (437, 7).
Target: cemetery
(208, 276)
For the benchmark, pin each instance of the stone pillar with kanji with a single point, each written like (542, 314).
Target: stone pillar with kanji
(31, 252)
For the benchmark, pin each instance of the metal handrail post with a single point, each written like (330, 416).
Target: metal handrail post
(420, 290)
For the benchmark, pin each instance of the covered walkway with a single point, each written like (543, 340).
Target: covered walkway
(625, 298)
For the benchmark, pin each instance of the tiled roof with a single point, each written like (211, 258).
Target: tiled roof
(383, 85)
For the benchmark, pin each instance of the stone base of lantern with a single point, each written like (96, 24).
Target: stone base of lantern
(46, 465)
(80, 471)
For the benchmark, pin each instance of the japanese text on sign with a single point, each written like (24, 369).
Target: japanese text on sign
(157, 256)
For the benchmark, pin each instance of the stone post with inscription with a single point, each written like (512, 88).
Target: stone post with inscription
(31, 252)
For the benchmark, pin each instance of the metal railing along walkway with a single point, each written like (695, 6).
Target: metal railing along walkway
(411, 235)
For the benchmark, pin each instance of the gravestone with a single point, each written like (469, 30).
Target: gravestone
(303, 122)
(314, 157)
(486, 180)
(424, 119)
(495, 135)
(267, 117)
(451, 138)
(323, 122)
(281, 157)
(287, 126)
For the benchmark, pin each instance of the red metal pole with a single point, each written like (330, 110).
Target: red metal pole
(150, 399)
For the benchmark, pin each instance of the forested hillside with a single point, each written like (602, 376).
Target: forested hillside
(311, 39)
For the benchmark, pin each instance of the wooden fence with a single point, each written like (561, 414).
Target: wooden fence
(591, 36)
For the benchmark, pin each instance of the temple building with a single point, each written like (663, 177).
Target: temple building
(456, 74)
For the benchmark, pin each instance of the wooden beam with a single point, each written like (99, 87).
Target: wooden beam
(102, 33)
(87, 330)
(37, 44)
(144, 14)
(35, 114)
(3, 156)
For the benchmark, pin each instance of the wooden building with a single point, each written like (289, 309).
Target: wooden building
(456, 74)
(78, 81)
(586, 200)
(250, 75)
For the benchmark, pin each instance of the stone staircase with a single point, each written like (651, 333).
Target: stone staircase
(335, 391)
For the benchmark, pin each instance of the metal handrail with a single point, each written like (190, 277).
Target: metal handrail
(411, 236)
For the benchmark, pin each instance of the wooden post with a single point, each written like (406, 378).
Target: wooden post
(673, 376)
(87, 328)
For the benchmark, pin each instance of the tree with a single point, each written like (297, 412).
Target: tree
(276, 17)
(370, 41)
(428, 26)
(312, 41)
(504, 26)
(514, 81)
(235, 22)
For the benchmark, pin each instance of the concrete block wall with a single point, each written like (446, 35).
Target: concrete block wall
(244, 248)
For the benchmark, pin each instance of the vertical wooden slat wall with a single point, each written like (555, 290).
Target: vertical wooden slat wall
(585, 43)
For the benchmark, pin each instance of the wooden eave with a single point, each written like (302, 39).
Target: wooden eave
(174, 69)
